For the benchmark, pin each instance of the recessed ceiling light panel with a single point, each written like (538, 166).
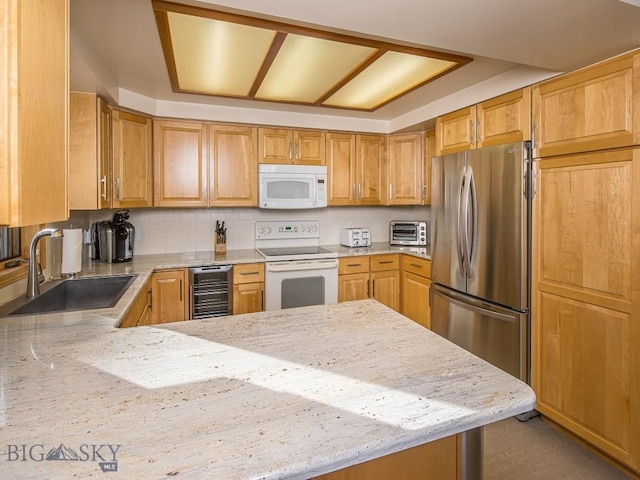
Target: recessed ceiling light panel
(219, 53)
(306, 68)
(214, 57)
(388, 77)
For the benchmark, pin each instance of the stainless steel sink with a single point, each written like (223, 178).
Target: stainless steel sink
(85, 293)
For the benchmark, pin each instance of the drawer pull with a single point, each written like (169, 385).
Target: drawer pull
(385, 261)
(415, 265)
(249, 273)
(355, 264)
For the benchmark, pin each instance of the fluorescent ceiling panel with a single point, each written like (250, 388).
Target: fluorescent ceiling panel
(215, 57)
(226, 54)
(306, 68)
(390, 76)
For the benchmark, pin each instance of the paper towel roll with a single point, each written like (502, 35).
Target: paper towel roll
(71, 250)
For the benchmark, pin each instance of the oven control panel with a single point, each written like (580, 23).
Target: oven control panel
(282, 229)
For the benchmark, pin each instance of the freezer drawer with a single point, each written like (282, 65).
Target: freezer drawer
(493, 333)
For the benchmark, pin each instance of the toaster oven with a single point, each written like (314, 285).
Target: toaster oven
(408, 233)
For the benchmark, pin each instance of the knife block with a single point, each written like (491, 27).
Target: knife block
(220, 246)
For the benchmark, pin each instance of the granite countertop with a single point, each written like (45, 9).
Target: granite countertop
(286, 394)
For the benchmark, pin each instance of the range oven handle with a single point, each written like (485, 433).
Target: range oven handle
(296, 266)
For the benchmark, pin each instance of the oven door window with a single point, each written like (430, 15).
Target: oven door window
(405, 232)
(301, 292)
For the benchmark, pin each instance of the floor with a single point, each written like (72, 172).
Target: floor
(534, 450)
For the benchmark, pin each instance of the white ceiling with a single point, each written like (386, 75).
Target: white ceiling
(116, 51)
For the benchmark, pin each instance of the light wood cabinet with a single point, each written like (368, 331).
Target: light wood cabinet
(233, 166)
(500, 120)
(355, 165)
(429, 153)
(592, 109)
(200, 164)
(585, 315)
(404, 169)
(353, 278)
(34, 86)
(248, 288)
(282, 145)
(169, 296)
(89, 152)
(375, 276)
(438, 460)
(415, 284)
(131, 136)
(140, 311)
(180, 164)
(370, 169)
(385, 279)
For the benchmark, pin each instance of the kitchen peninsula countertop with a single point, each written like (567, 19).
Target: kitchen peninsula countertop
(286, 394)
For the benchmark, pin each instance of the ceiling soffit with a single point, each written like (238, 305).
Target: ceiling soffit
(223, 54)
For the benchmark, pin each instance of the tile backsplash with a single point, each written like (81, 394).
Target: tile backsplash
(174, 230)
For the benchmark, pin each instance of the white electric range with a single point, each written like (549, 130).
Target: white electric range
(298, 272)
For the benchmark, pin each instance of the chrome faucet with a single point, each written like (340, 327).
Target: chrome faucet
(33, 283)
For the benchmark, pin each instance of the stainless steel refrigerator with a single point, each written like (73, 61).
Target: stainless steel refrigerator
(480, 253)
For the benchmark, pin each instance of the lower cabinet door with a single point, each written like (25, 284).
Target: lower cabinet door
(385, 288)
(169, 300)
(414, 303)
(354, 286)
(248, 298)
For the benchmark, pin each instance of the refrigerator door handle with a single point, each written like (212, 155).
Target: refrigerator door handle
(471, 220)
(466, 215)
(459, 228)
(474, 308)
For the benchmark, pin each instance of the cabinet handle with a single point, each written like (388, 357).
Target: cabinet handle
(103, 187)
(359, 191)
(477, 132)
(390, 191)
(354, 192)
(424, 192)
(249, 273)
(296, 150)
(290, 150)
(118, 189)
(180, 289)
(150, 298)
(373, 288)
(470, 131)
(385, 261)
(355, 264)
(415, 265)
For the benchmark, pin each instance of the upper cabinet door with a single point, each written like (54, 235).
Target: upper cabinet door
(591, 109)
(233, 166)
(180, 164)
(370, 169)
(83, 152)
(282, 145)
(275, 145)
(132, 160)
(34, 94)
(404, 169)
(429, 153)
(455, 131)
(105, 161)
(504, 119)
(341, 169)
(308, 147)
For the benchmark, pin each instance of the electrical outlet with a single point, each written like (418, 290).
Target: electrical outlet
(350, 225)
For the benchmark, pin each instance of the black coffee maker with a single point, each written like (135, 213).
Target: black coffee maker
(123, 236)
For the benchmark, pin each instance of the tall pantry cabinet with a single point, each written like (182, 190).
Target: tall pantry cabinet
(586, 255)
(34, 86)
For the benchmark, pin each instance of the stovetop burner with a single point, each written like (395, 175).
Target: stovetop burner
(290, 240)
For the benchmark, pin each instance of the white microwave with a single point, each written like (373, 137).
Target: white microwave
(292, 186)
